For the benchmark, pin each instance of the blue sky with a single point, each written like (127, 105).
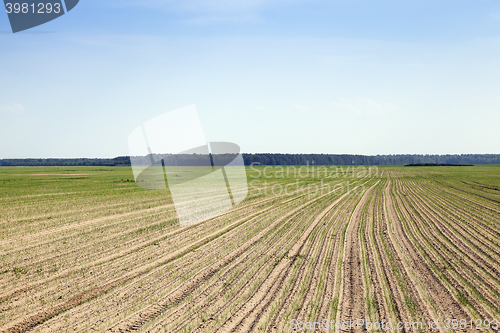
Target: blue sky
(361, 77)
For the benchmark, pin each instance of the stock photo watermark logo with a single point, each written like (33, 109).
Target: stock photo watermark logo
(310, 180)
(204, 179)
(27, 14)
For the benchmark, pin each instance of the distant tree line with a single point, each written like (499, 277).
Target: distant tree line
(117, 161)
(271, 159)
(328, 159)
(434, 164)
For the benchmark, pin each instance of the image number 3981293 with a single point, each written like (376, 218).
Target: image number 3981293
(26, 14)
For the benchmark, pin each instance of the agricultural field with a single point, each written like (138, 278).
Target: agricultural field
(84, 249)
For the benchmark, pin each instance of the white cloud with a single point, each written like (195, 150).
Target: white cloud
(301, 108)
(200, 5)
(364, 107)
(14, 108)
(221, 18)
(210, 11)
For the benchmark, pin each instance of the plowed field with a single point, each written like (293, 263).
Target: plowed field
(86, 250)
